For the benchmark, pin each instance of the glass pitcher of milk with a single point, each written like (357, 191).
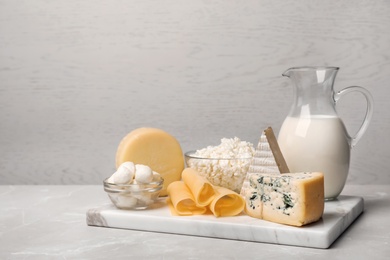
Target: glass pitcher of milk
(313, 137)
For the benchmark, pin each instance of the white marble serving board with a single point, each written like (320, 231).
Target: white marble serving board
(337, 217)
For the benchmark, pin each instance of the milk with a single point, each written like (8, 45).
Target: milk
(317, 143)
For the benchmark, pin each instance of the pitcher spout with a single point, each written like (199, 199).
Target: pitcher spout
(313, 90)
(317, 69)
(287, 72)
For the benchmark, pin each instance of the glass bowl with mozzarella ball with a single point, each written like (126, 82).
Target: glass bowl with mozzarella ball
(229, 173)
(134, 196)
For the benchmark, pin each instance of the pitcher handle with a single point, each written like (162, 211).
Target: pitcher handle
(370, 107)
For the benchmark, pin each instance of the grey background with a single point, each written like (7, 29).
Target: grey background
(77, 76)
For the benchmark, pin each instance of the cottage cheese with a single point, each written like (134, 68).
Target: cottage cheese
(224, 165)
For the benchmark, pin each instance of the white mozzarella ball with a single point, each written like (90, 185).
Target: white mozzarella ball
(156, 176)
(143, 173)
(128, 165)
(145, 199)
(111, 179)
(126, 201)
(124, 174)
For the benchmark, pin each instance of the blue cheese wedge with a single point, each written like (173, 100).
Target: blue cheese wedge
(294, 199)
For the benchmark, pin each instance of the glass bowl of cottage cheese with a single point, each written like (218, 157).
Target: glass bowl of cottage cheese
(223, 165)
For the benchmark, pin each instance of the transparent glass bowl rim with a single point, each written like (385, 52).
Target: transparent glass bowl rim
(191, 155)
(150, 187)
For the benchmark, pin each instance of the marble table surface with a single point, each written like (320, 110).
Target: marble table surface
(49, 222)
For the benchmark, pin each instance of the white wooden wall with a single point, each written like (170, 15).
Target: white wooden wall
(76, 76)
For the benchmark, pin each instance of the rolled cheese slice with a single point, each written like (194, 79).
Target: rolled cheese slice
(195, 195)
(226, 203)
(155, 148)
(200, 187)
(181, 201)
(294, 199)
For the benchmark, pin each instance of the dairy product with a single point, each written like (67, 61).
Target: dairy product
(143, 173)
(181, 201)
(223, 165)
(202, 189)
(130, 173)
(226, 203)
(195, 195)
(291, 198)
(124, 174)
(155, 148)
(267, 158)
(127, 201)
(133, 186)
(228, 148)
(317, 143)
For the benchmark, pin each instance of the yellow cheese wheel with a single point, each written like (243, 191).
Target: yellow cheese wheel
(155, 148)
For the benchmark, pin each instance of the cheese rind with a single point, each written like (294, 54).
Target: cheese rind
(155, 148)
(293, 198)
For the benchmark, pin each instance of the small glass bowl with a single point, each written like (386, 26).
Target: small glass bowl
(225, 172)
(134, 196)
